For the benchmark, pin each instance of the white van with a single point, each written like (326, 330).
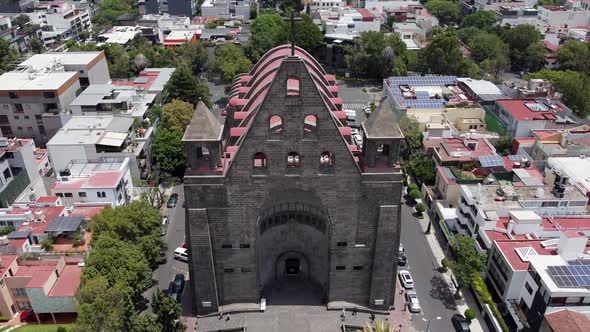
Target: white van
(181, 254)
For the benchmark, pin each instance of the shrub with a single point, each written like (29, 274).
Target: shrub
(484, 295)
(77, 240)
(470, 314)
(405, 182)
(4, 319)
(412, 186)
(61, 329)
(415, 194)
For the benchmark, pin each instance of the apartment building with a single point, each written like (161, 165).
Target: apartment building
(106, 180)
(103, 136)
(226, 9)
(100, 99)
(61, 20)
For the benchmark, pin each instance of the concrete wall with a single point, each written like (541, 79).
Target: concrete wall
(6, 301)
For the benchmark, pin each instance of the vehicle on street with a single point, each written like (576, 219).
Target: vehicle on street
(412, 301)
(181, 254)
(350, 115)
(353, 124)
(405, 278)
(402, 260)
(178, 283)
(164, 225)
(358, 139)
(172, 201)
(460, 323)
(367, 111)
(355, 131)
(401, 249)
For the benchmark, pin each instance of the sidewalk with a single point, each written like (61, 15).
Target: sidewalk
(400, 316)
(437, 251)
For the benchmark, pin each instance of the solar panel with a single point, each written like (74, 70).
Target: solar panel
(491, 161)
(64, 224)
(577, 274)
(515, 157)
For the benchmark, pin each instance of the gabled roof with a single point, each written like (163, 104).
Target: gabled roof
(382, 124)
(204, 125)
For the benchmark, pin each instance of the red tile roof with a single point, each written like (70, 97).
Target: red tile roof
(518, 109)
(447, 146)
(39, 274)
(47, 199)
(5, 261)
(68, 282)
(49, 212)
(86, 212)
(568, 320)
(108, 179)
(508, 250)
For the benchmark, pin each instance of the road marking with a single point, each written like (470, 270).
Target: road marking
(356, 106)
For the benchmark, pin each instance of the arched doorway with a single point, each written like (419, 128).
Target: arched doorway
(292, 249)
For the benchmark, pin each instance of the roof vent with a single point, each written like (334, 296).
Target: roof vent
(525, 253)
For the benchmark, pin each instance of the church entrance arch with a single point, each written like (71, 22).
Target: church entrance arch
(292, 249)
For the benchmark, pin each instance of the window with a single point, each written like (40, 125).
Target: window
(19, 292)
(49, 94)
(50, 107)
(293, 86)
(293, 160)
(12, 95)
(340, 267)
(326, 159)
(23, 305)
(42, 130)
(60, 195)
(38, 116)
(101, 194)
(528, 288)
(19, 128)
(577, 203)
(228, 270)
(549, 204)
(27, 117)
(310, 125)
(18, 108)
(68, 195)
(226, 246)
(342, 244)
(259, 160)
(16, 117)
(246, 269)
(4, 119)
(275, 124)
(244, 245)
(572, 300)
(358, 267)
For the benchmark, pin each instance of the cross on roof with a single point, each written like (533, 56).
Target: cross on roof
(292, 32)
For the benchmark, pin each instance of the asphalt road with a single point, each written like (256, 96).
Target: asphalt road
(435, 297)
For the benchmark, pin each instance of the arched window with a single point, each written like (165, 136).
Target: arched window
(275, 124)
(310, 124)
(259, 160)
(326, 159)
(293, 86)
(293, 160)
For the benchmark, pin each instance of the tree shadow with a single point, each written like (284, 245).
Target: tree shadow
(441, 291)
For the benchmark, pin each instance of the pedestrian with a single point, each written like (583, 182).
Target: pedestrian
(354, 311)
(220, 315)
(372, 317)
(227, 317)
(401, 291)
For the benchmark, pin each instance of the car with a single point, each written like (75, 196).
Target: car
(164, 225)
(172, 201)
(178, 283)
(401, 249)
(355, 131)
(350, 115)
(367, 111)
(412, 301)
(406, 279)
(29, 316)
(460, 323)
(402, 260)
(358, 139)
(181, 254)
(353, 124)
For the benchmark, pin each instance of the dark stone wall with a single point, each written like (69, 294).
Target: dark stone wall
(351, 200)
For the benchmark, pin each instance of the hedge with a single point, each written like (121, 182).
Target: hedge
(484, 295)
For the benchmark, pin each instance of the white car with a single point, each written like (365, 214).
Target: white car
(355, 131)
(405, 278)
(358, 139)
(412, 301)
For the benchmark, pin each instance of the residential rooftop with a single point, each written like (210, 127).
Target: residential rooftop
(149, 79)
(40, 61)
(92, 130)
(459, 149)
(575, 168)
(528, 109)
(36, 81)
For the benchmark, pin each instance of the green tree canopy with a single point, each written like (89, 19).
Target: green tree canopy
(7, 55)
(168, 151)
(443, 56)
(110, 10)
(535, 56)
(183, 85)
(467, 34)
(519, 38)
(22, 20)
(446, 11)
(504, 145)
(194, 55)
(146, 323)
(467, 262)
(230, 61)
(166, 310)
(424, 169)
(177, 114)
(266, 32)
(574, 86)
(412, 136)
(482, 19)
(487, 46)
(376, 55)
(118, 60)
(307, 34)
(118, 262)
(103, 307)
(574, 55)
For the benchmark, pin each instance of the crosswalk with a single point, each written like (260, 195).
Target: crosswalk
(218, 105)
(357, 106)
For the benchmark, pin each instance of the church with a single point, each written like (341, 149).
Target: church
(278, 195)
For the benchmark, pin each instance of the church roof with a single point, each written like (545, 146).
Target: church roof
(204, 125)
(382, 123)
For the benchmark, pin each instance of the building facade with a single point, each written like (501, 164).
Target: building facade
(280, 194)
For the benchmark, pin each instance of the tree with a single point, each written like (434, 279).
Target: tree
(412, 186)
(504, 145)
(266, 32)
(487, 46)
(118, 262)
(519, 38)
(380, 326)
(168, 151)
(420, 208)
(22, 20)
(182, 85)
(109, 11)
(230, 61)
(146, 323)
(193, 55)
(307, 34)
(574, 55)
(166, 309)
(152, 195)
(375, 55)
(84, 35)
(535, 56)
(36, 45)
(424, 169)
(103, 307)
(482, 19)
(467, 34)
(7, 55)
(443, 56)
(468, 262)
(118, 60)
(412, 136)
(574, 86)
(140, 62)
(177, 114)
(445, 11)
(470, 314)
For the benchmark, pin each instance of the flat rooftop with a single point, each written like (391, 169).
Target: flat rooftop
(35, 81)
(40, 61)
(575, 168)
(528, 109)
(455, 149)
(90, 129)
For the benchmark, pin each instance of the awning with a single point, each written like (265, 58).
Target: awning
(112, 139)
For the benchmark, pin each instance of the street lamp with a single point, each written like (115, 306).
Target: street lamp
(429, 320)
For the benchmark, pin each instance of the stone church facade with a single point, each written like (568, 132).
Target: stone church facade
(280, 193)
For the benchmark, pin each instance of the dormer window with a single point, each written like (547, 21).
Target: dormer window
(293, 86)
(259, 160)
(275, 124)
(326, 162)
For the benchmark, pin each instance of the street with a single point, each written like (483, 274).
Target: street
(434, 295)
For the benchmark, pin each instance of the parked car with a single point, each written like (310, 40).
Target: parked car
(164, 225)
(412, 301)
(181, 254)
(29, 316)
(367, 111)
(401, 249)
(172, 201)
(460, 323)
(402, 260)
(358, 139)
(355, 131)
(350, 115)
(405, 278)
(178, 283)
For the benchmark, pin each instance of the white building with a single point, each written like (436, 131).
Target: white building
(104, 180)
(101, 99)
(559, 17)
(227, 9)
(326, 4)
(121, 35)
(63, 20)
(93, 137)
(382, 6)
(571, 170)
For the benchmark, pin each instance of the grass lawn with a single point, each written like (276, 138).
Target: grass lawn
(43, 328)
(493, 124)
